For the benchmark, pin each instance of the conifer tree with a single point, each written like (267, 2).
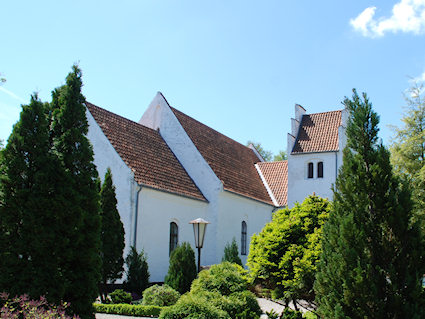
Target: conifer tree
(372, 260)
(82, 261)
(112, 234)
(231, 253)
(137, 271)
(182, 269)
(30, 210)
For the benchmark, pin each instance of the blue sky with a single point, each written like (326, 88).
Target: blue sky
(237, 66)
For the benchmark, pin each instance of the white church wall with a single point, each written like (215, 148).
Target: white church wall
(105, 156)
(233, 209)
(300, 186)
(156, 211)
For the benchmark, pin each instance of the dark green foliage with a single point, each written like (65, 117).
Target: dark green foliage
(112, 234)
(31, 210)
(120, 296)
(291, 314)
(191, 306)
(128, 310)
(224, 278)
(69, 142)
(182, 268)
(372, 261)
(160, 296)
(138, 272)
(231, 253)
(284, 255)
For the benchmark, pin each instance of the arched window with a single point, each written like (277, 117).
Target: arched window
(310, 170)
(320, 170)
(174, 236)
(243, 238)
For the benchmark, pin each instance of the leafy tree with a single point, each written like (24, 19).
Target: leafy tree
(137, 271)
(2, 79)
(69, 142)
(284, 255)
(408, 149)
(231, 253)
(112, 234)
(372, 261)
(266, 155)
(182, 269)
(281, 156)
(31, 210)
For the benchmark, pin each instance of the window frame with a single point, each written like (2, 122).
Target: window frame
(244, 229)
(320, 169)
(174, 237)
(310, 170)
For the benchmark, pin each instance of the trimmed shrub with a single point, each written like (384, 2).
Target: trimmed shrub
(224, 278)
(191, 306)
(291, 314)
(160, 296)
(120, 296)
(128, 310)
(138, 273)
(182, 269)
(231, 253)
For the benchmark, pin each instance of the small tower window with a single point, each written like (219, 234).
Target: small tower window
(320, 170)
(310, 170)
(174, 236)
(243, 239)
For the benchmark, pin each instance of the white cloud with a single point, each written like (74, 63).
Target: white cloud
(11, 94)
(407, 16)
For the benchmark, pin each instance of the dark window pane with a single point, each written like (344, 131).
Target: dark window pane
(174, 233)
(310, 170)
(243, 239)
(320, 169)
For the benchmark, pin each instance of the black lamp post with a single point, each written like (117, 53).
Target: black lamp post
(199, 228)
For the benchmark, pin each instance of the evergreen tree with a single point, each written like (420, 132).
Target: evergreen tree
(30, 210)
(372, 261)
(231, 253)
(112, 234)
(182, 269)
(69, 142)
(137, 272)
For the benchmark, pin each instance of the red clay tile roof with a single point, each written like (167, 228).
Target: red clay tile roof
(318, 133)
(145, 153)
(276, 176)
(232, 162)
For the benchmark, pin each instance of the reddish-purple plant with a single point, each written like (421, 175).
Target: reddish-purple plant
(24, 307)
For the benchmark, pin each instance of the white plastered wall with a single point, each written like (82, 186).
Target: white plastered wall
(157, 209)
(105, 156)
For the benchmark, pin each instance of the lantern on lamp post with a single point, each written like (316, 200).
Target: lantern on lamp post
(199, 228)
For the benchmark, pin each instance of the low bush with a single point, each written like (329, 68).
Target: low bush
(182, 270)
(224, 278)
(160, 296)
(191, 306)
(120, 296)
(243, 305)
(291, 314)
(24, 307)
(129, 310)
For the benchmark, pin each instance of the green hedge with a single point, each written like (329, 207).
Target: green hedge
(128, 310)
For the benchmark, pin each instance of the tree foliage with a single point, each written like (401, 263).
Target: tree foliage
(182, 268)
(112, 234)
(408, 149)
(231, 253)
(281, 156)
(137, 271)
(265, 154)
(284, 255)
(372, 261)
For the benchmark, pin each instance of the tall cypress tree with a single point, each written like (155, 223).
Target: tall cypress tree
(81, 261)
(112, 234)
(30, 209)
(372, 261)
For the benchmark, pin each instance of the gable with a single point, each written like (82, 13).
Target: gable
(276, 176)
(145, 153)
(318, 133)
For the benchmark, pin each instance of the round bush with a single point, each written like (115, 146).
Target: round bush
(191, 306)
(160, 296)
(224, 278)
(120, 296)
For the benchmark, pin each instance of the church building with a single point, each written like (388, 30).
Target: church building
(169, 169)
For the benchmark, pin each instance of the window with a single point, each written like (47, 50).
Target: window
(243, 239)
(310, 170)
(320, 170)
(174, 236)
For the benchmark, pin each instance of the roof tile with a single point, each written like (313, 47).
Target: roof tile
(276, 176)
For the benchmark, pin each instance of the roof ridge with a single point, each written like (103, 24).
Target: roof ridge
(122, 117)
(174, 109)
(323, 112)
